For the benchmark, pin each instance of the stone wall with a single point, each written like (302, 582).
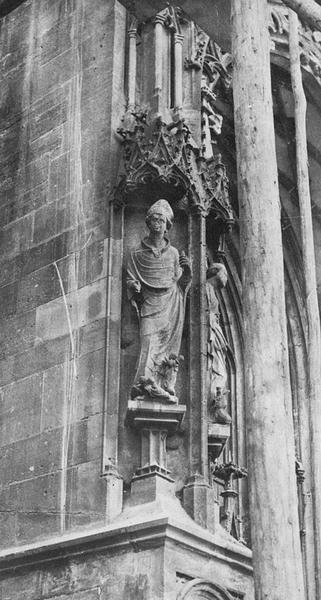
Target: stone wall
(61, 97)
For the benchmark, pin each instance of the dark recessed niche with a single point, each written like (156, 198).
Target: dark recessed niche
(6, 6)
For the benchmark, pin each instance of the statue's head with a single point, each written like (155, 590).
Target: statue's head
(161, 207)
(218, 273)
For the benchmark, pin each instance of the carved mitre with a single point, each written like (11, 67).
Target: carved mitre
(161, 207)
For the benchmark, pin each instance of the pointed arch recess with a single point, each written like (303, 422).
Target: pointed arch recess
(200, 589)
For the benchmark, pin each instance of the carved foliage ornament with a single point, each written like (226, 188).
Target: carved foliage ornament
(218, 65)
(216, 80)
(200, 41)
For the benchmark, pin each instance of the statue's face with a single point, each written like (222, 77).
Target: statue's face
(157, 223)
(221, 278)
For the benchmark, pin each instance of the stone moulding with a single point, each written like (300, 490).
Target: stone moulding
(137, 534)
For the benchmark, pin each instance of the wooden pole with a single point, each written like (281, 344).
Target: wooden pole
(278, 572)
(311, 298)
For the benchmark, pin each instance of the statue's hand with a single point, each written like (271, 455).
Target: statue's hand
(135, 286)
(185, 263)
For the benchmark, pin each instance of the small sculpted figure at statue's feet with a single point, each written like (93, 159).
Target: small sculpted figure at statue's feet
(217, 347)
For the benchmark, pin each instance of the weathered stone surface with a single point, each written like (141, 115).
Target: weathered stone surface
(85, 441)
(37, 505)
(57, 39)
(50, 142)
(8, 300)
(54, 389)
(46, 77)
(135, 561)
(199, 502)
(59, 181)
(38, 288)
(11, 95)
(92, 336)
(14, 239)
(20, 410)
(43, 254)
(43, 221)
(31, 457)
(86, 506)
(30, 582)
(38, 358)
(17, 208)
(92, 263)
(77, 309)
(45, 226)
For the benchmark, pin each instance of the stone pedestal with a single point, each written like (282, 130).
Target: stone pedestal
(154, 421)
(145, 413)
(150, 483)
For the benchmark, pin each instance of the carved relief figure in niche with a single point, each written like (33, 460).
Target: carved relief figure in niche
(217, 346)
(157, 282)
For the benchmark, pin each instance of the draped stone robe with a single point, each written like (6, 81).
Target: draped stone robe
(216, 345)
(161, 305)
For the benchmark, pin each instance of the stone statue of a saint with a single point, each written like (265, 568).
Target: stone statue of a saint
(216, 346)
(157, 282)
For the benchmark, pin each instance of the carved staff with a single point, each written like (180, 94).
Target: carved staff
(309, 274)
(277, 560)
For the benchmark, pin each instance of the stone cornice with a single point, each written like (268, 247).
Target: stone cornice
(137, 533)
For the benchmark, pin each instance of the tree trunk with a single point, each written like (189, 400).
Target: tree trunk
(270, 438)
(308, 10)
(311, 298)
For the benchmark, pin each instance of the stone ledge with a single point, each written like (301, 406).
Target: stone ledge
(167, 521)
(142, 414)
